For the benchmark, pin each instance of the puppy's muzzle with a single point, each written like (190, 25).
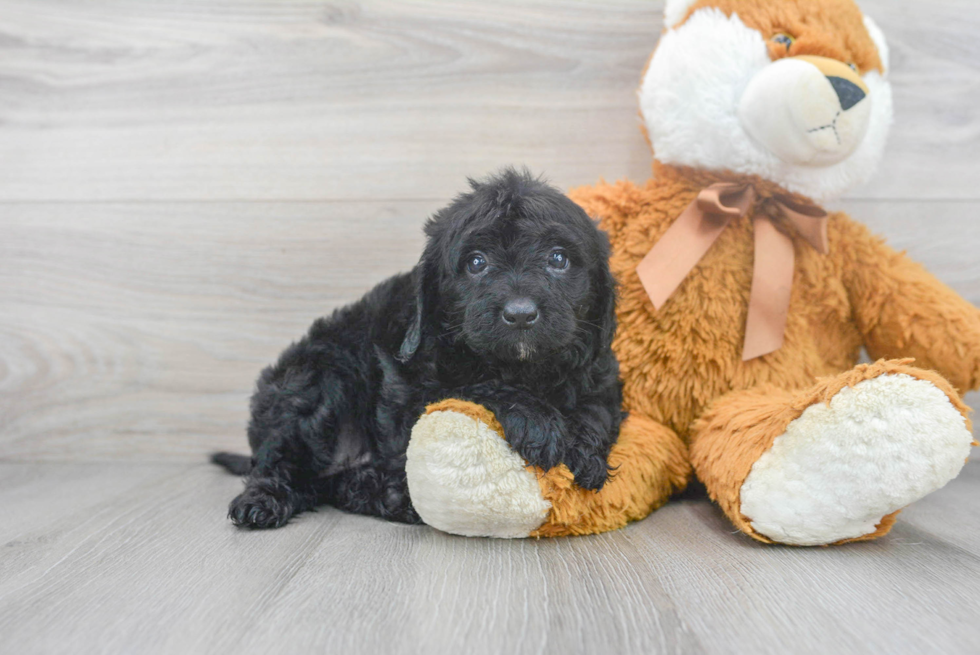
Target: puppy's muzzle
(520, 313)
(806, 110)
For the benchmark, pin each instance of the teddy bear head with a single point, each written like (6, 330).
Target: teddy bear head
(792, 91)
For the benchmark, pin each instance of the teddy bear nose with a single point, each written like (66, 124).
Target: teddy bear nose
(848, 92)
(520, 313)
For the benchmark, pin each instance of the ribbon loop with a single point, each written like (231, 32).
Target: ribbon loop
(691, 236)
(726, 199)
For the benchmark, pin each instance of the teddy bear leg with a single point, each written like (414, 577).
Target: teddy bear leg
(463, 478)
(836, 462)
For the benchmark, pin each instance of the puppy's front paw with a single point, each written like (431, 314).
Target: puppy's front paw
(591, 470)
(263, 504)
(588, 455)
(537, 437)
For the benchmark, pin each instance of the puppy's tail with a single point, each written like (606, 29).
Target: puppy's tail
(237, 464)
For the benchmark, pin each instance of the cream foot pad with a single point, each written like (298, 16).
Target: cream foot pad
(463, 477)
(840, 468)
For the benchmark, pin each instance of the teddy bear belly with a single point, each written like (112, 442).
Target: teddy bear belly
(675, 361)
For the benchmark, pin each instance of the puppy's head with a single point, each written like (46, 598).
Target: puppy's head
(515, 271)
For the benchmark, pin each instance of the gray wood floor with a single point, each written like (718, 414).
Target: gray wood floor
(184, 186)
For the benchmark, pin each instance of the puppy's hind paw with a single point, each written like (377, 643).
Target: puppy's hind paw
(264, 504)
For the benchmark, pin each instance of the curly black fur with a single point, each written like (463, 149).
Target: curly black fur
(510, 306)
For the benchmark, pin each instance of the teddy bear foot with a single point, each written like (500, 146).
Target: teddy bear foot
(464, 478)
(843, 468)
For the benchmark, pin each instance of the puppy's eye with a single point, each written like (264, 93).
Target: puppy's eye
(558, 259)
(475, 263)
(783, 39)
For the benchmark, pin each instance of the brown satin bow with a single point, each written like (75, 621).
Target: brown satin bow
(692, 234)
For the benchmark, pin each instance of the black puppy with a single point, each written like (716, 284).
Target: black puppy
(511, 306)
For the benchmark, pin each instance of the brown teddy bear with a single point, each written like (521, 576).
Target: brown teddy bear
(744, 306)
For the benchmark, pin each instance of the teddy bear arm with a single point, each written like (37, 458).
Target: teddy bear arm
(649, 463)
(902, 310)
(464, 478)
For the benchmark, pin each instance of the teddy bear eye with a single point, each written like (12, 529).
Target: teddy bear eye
(853, 67)
(783, 39)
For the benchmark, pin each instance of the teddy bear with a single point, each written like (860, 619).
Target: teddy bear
(743, 307)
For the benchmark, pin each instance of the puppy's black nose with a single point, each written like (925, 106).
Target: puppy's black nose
(520, 313)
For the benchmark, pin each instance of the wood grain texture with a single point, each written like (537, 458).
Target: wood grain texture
(34, 496)
(158, 570)
(140, 329)
(337, 100)
(136, 330)
(185, 186)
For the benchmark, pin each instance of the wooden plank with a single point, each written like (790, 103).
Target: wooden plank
(35, 496)
(951, 515)
(313, 100)
(909, 592)
(131, 574)
(131, 332)
(934, 71)
(166, 573)
(139, 330)
(38, 494)
(159, 570)
(479, 596)
(374, 100)
(136, 331)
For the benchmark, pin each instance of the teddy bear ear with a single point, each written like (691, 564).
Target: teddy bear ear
(675, 10)
(879, 38)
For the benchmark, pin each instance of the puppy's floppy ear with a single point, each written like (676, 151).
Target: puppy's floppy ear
(604, 285)
(426, 276)
(413, 336)
(423, 280)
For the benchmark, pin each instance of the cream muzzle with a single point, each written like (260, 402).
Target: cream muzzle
(810, 111)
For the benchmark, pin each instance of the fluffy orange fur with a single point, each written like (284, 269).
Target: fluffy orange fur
(685, 384)
(826, 28)
(649, 463)
(677, 361)
(742, 425)
(649, 460)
